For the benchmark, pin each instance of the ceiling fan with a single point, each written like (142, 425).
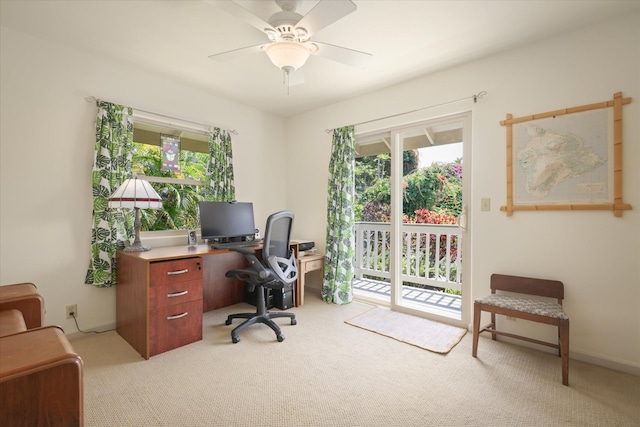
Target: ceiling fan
(289, 34)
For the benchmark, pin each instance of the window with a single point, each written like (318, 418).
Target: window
(181, 189)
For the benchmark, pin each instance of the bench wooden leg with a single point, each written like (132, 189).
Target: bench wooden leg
(476, 328)
(494, 336)
(563, 330)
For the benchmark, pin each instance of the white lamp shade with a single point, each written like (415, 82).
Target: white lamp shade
(287, 54)
(135, 193)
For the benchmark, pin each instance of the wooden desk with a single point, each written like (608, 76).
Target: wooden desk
(154, 292)
(306, 264)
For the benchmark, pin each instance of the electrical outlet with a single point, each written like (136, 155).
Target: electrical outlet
(72, 310)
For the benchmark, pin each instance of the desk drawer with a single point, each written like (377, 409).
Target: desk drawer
(313, 265)
(174, 326)
(175, 293)
(182, 270)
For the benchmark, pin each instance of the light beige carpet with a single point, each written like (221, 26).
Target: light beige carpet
(327, 373)
(424, 333)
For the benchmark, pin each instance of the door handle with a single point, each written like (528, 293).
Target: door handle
(461, 221)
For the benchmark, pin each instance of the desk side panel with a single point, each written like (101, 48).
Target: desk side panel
(132, 322)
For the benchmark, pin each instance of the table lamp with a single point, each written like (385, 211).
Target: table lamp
(136, 193)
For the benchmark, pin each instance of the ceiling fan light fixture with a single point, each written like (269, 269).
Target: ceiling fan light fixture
(291, 55)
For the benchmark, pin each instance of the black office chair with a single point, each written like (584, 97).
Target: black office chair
(277, 269)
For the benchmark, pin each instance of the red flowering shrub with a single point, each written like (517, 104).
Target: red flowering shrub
(425, 216)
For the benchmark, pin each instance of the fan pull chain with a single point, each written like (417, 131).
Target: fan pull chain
(286, 78)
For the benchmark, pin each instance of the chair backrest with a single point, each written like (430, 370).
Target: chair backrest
(277, 235)
(528, 285)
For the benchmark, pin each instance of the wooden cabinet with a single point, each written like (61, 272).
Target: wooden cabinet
(159, 302)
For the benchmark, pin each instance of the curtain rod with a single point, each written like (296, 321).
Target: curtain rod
(475, 98)
(97, 101)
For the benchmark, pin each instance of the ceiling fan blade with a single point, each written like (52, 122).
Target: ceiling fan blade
(325, 13)
(236, 53)
(354, 58)
(242, 13)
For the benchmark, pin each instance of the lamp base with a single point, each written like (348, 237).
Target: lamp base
(137, 247)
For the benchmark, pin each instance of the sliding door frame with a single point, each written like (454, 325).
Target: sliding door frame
(394, 137)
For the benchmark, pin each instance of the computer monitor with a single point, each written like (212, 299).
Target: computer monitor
(226, 221)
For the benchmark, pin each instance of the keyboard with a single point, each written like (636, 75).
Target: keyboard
(233, 245)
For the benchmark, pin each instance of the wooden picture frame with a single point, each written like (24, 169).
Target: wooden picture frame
(568, 159)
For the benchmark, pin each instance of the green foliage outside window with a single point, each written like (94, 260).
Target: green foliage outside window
(180, 201)
(436, 188)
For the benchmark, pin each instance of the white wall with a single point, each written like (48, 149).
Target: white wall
(47, 138)
(595, 254)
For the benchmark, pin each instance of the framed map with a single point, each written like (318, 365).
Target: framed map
(564, 159)
(567, 159)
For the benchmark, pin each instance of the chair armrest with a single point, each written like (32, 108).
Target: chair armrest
(252, 274)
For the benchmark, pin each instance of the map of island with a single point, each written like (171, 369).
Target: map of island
(562, 166)
(551, 157)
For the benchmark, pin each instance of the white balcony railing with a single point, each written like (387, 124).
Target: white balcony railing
(431, 254)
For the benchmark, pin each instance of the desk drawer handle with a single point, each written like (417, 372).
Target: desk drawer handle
(177, 294)
(177, 316)
(173, 273)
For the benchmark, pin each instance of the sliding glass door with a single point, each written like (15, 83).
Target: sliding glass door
(411, 212)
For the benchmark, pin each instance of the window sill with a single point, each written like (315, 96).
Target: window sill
(157, 239)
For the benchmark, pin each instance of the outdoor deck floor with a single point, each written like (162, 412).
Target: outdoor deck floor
(419, 296)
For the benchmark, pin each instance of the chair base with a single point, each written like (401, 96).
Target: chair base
(253, 318)
(261, 315)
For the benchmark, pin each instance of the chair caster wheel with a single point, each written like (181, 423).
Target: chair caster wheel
(235, 339)
(294, 322)
(227, 322)
(280, 338)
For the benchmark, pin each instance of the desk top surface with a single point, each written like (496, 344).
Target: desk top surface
(180, 251)
(172, 252)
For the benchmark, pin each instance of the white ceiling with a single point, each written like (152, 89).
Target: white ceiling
(406, 38)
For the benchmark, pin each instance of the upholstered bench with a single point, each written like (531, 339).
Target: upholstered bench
(526, 308)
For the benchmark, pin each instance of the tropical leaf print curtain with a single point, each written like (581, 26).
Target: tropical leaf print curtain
(340, 258)
(111, 166)
(219, 186)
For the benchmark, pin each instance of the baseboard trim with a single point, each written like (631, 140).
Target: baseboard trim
(599, 360)
(576, 354)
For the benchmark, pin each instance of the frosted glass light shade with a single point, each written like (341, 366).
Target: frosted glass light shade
(289, 54)
(135, 193)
